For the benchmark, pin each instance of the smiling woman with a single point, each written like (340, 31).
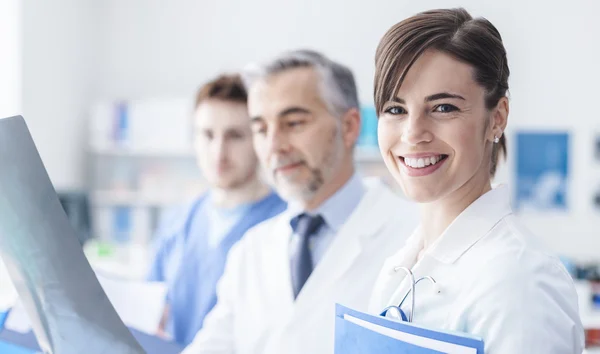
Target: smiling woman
(440, 89)
(440, 113)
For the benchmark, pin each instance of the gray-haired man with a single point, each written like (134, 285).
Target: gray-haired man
(284, 277)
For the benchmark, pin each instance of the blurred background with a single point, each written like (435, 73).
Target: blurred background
(107, 90)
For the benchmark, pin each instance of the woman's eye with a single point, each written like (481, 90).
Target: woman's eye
(293, 124)
(445, 108)
(395, 110)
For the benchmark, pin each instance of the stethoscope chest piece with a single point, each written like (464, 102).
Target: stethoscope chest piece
(395, 312)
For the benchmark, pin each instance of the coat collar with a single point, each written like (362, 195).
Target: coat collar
(338, 208)
(468, 228)
(471, 225)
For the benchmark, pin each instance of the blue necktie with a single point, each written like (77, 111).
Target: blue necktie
(301, 264)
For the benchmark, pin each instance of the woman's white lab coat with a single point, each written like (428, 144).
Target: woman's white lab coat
(495, 282)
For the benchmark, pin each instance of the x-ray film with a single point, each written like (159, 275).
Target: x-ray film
(68, 310)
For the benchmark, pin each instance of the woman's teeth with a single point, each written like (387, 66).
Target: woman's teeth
(422, 162)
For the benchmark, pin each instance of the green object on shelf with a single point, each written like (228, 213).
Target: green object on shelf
(105, 249)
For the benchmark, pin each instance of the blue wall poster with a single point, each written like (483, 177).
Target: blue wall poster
(542, 171)
(368, 130)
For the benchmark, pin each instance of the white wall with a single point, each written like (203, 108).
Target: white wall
(158, 47)
(161, 48)
(10, 97)
(76, 51)
(60, 49)
(10, 59)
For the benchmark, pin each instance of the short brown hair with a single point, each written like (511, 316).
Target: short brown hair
(452, 31)
(228, 87)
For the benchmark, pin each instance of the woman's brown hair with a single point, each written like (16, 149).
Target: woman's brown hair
(453, 31)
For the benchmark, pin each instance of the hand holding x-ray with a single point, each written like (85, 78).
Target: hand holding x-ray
(68, 310)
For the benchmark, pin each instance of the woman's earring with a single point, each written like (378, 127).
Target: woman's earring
(496, 140)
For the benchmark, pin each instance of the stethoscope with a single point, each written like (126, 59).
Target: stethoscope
(396, 312)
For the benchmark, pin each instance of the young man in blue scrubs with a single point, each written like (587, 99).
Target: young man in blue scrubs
(192, 250)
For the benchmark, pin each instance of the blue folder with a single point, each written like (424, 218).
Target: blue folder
(352, 338)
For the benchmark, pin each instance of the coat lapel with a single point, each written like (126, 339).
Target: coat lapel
(348, 245)
(276, 262)
(392, 280)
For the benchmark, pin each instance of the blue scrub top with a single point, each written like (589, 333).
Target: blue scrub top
(191, 255)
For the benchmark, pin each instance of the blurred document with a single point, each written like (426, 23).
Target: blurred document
(8, 294)
(139, 304)
(17, 319)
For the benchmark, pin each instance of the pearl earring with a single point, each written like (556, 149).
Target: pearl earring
(496, 140)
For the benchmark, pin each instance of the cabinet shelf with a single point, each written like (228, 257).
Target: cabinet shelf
(362, 154)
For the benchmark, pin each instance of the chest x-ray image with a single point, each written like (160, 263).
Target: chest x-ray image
(68, 310)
